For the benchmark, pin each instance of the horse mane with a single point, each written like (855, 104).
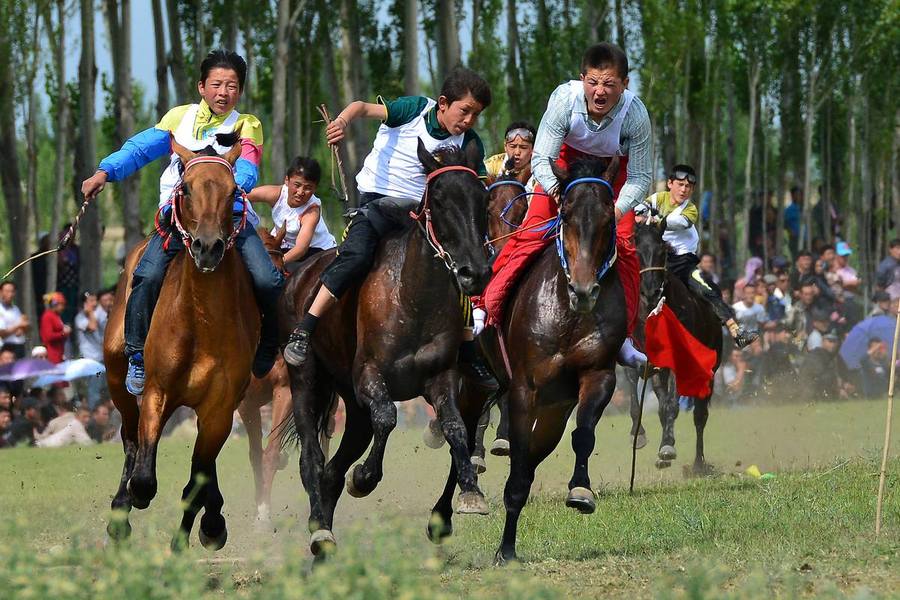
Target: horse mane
(587, 166)
(226, 140)
(653, 230)
(450, 155)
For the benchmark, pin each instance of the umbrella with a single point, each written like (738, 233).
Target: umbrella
(857, 343)
(25, 368)
(69, 370)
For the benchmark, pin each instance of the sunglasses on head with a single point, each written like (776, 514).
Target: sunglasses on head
(521, 132)
(680, 175)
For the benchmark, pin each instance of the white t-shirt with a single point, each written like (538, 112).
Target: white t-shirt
(286, 215)
(90, 343)
(751, 317)
(9, 317)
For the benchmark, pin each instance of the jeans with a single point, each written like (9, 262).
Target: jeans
(150, 272)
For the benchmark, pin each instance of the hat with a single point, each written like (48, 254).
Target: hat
(39, 352)
(780, 262)
(881, 296)
(769, 278)
(843, 249)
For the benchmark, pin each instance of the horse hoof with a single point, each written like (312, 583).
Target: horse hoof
(582, 500)
(213, 543)
(641, 441)
(479, 464)
(502, 559)
(472, 503)
(667, 452)
(353, 488)
(322, 542)
(500, 447)
(663, 464)
(438, 528)
(118, 529)
(141, 493)
(432, 435)
(180, 541)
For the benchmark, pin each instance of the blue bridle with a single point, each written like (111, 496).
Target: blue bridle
(525, 193)
(558, 229)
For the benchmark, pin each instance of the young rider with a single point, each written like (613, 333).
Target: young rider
(678, 216)
(296, 207)
(392, 180)
(596, 116)
(518, 146)
(222, 77)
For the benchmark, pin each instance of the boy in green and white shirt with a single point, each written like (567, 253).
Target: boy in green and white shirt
(677, 216)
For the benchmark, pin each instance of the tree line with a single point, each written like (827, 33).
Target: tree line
(761, 96)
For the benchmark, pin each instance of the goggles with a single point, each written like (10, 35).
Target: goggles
(680, 175)
(521, 132)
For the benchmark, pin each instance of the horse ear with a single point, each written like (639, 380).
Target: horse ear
(183, 153)
(428, 161)
(612, 169)
(233, 154)
(473, 155)
(560, 172)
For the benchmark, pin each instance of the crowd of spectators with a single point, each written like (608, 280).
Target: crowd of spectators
(804, 312)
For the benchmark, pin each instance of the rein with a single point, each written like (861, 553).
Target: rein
(178, 194)
(423, 218)
(611, 254)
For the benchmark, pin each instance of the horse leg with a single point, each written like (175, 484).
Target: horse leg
(154, 412)
(373, 393)
(202, 489)
(634, 391)
(118, 527)
(251, 418)
(531, 440)
(594, 393)
(272, 455)
(668, 412)
(701, 415)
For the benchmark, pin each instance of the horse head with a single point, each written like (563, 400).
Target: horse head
(273, 244)
(652, 253)
(586, 228)
(204, 201)
(507, 203)
(454, 213)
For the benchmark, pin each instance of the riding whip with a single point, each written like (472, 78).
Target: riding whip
(887, 426)
(63, 242)
(335, 158)
(638, 428)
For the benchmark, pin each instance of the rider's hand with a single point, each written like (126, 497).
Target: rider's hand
(336, 130)
(93, 185)
(478, 315)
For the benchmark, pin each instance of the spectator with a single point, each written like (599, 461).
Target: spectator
(803, 266)
(887, 276)
(844, 272)
(68, 431)
(27, 424)
(13, 324)
(775, 307)
(708, 267)
(727, 287)
(99, 426)
(67, 277)
(748, 313)
(53, 331)
(779, 356)
(7, 357)
(105, 299)
(819, 373)
(874, 370)
(821, 322)
(733, 374)
(753, 271)
(780, 265)
(793, 214)
(882, 302)
(797, 319)
(5, 398)
(90, 325)
(783, 290)
(5, 423)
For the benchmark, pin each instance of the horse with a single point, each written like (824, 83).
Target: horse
(394, 337)
(198, 352)
(697, 316)
(566, 322)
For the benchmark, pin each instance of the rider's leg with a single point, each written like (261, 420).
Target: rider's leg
(146, 282)
(628, 268)
(267, 285)
(726, 315)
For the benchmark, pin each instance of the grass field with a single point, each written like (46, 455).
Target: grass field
(807, 532)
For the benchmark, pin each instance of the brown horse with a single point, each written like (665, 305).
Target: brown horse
(565, 325)
(198, 352)
(697, 316)
(395, 337)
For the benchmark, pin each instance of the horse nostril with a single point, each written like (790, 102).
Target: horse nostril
(196, 247)
(218, 247)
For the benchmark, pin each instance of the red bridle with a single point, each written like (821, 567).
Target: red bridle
(178, 193)
(424, 214)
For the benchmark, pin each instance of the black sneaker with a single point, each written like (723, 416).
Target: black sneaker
(297, 348)
(478, 372)
(745, 338)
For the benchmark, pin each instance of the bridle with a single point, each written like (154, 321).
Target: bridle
(423, 218)
(662, 286)
(178, 195)
(611, 254)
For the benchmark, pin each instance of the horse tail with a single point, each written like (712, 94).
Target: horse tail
(287, 428)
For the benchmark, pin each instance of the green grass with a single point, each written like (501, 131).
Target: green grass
(807, 532)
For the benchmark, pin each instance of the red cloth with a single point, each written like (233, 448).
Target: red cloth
(525, 246)
(670, 345)
(53, 335)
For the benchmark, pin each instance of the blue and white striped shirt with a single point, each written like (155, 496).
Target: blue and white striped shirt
(635, 142)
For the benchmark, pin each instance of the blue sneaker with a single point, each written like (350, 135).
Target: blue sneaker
(134, 380)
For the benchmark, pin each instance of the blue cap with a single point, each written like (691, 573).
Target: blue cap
(843, 249)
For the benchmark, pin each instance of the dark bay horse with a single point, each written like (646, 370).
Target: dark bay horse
(198, 352)
(564, 326)
(394, 338)
(697, 316)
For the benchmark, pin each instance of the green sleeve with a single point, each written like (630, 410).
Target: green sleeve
(691, 213)
(403, 110)
(470, 136)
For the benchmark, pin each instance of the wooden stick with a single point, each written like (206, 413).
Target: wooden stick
(887, 426)
(335, 158)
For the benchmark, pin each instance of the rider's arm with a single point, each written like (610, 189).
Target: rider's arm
(687, 218)
(308, 222)
(550, 135)
(636, 133)
(137, 152)
(355, 110)
(267, 194)
(246, 168)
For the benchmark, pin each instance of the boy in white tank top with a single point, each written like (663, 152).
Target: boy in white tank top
(296, 207)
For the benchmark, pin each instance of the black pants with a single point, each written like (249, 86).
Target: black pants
(378, 216)
(684, 266)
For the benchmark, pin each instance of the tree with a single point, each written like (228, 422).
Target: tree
(176, 56)
(162, 63)
(410, 48)
(86, 150)
(448, 52)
